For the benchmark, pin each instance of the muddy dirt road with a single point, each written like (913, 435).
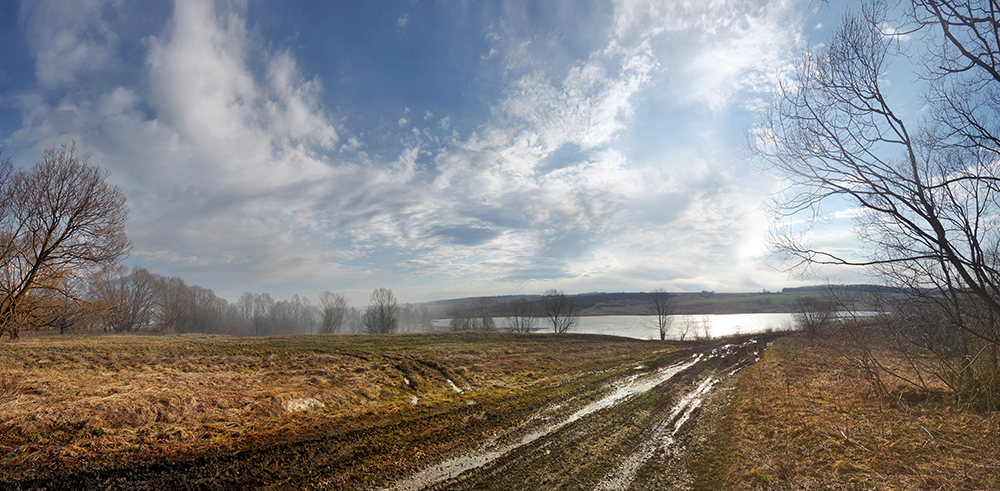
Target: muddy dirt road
(631, 433)
(627, 426)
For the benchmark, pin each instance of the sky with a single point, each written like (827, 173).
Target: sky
(440, 149)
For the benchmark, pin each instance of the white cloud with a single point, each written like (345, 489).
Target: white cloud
(588, 106)
(69, 37)
(893, 32)
(733, 47)
(405, 19)
(228, 183)
(249, 131)
(231, 162)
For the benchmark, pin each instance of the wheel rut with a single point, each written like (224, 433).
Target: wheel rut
(602, 441)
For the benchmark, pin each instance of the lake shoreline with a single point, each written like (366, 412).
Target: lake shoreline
(681, 327)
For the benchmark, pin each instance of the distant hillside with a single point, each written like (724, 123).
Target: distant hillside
(636, 303)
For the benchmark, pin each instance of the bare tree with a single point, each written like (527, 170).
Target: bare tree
(487, 323)
(663, 307)
(928, 189)
(354, 324)
(174, 301)
(381, 316)
(560, 310)
(411, 318)
(812, 314)
(255, 309)
(426, 319)
(333, 312)
(207, 311)
(282, 318)
(59, 222)
(687, 324)
(123, 302)
(522, 315)
(464, 321)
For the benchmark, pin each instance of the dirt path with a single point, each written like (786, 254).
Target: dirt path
(624, 427)
(629, 434)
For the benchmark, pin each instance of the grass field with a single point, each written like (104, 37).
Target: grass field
(82, 402)
(804, 417)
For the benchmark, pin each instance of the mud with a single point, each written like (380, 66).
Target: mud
(628, 427)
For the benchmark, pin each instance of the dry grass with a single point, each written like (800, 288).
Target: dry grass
(83, 401)
(805, 418)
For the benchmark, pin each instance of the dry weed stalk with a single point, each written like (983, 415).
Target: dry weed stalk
(829, 430)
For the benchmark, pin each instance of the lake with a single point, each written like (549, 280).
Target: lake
(644, 326)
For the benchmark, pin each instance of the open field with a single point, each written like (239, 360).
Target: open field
(804, 418)
(75, 408)
(470, 411)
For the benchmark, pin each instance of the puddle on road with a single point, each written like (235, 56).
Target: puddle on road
(663, 434)
(625, 389)
(663, 437)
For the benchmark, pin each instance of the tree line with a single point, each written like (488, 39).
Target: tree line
(62, 245)
(125, 301)
(553, 309)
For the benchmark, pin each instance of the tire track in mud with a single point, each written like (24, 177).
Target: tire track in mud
(519, 450)
(663, 435)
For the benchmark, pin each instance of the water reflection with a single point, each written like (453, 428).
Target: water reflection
(686, 327)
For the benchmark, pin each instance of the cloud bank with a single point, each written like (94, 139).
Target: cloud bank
(243, 173)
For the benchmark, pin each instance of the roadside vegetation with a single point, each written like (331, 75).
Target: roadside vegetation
(807, 417)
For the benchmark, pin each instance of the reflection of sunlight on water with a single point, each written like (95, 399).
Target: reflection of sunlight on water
(644, 326)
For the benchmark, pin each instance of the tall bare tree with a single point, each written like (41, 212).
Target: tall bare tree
(486, 323)
(381, 316)
(927, 188)
(663, 307)
(813, 314)
(560, 310)
(263, 307)
(174, 300)
(124, 302)
(426, 319)
(333, 312)
(59, 222)
(522, 315)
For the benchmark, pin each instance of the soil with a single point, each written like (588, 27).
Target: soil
(634, 425)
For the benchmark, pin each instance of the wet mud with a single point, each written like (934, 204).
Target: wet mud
(629, 427)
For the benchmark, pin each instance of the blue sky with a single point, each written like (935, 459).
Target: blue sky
(440, 149)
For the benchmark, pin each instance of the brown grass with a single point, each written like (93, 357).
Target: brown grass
(806, 418)
(70, 403)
